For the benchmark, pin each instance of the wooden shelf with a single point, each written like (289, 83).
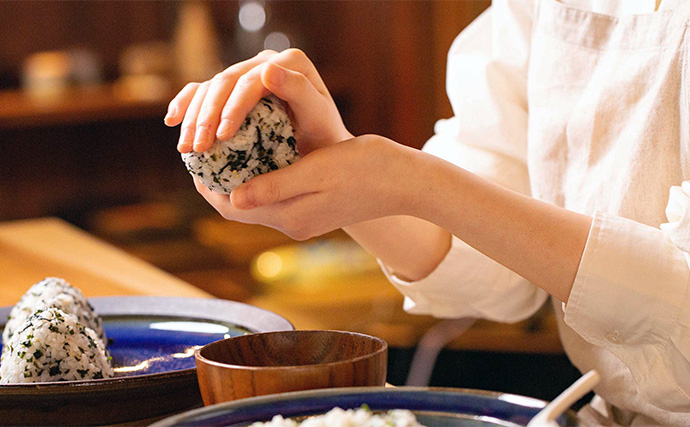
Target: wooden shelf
(77, 106)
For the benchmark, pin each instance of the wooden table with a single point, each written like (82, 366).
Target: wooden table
(33, 249)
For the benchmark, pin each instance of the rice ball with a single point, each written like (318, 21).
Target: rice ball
(265, 142)
(53, 292)
(53, 346)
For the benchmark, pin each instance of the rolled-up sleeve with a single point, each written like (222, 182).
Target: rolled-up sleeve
(631, 296)
(487, 74)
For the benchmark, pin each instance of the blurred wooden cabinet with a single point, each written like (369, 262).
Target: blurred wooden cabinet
(384, 62)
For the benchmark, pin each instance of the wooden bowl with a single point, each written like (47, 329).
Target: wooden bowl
(277, 362)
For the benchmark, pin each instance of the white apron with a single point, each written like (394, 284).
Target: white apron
(605, 92)
(583, 104)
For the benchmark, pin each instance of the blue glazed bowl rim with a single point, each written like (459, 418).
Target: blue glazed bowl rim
(317, 401)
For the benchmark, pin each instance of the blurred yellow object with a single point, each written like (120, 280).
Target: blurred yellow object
(46, 75)
(312, 263)
(143, 87)
(240, 243)
(268, 265)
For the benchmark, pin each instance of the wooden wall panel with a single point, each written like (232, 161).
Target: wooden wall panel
(106, 27)
(449, 18)
(384, 62)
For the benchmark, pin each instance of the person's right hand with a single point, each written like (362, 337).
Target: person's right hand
(216, 108)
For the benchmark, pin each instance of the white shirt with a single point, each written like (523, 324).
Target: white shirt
(584, 104)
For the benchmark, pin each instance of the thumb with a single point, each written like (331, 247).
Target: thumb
(273, 187)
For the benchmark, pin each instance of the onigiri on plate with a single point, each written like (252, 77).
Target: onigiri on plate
(53, 334)
(53, 346)
(53, 292)
(263, 143)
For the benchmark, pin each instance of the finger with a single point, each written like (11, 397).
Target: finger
(275, 187)
(209, 194)
(247, 92)
(297, 60)
(294, 88)
(249, 89)
(178, 106)
(221, 203)
(189, 123)
(221, 86)
(209, 115)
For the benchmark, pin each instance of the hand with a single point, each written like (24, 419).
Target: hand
(216, 108)
(357, 180)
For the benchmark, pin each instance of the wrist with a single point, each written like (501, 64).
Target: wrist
(426, 185)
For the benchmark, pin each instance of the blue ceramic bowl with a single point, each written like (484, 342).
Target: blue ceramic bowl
(153, 345)
(434, 407)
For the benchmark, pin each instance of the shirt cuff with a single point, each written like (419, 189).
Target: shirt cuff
(629, 286)
(469, 284)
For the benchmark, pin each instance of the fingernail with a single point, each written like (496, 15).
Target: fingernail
(186, 138)
(172, 111)
(276, 76)
(242, 198)
(202, 136)
(223, 128)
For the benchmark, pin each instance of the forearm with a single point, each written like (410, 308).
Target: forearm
(373, 181)
(411, 247)
(537, 240)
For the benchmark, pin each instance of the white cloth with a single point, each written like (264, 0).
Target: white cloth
(583, 104)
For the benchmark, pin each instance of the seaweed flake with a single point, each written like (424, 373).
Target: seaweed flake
(236, 160)
(292, 142)
(55, 370)
(267, 104)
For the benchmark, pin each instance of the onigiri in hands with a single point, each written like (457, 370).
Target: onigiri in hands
(265, 142)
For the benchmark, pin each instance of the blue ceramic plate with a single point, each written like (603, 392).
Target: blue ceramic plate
(153, 344)
(434, 407)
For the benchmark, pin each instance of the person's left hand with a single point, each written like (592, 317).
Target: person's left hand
(356, 180)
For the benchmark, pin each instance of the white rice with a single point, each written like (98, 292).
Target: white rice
(337, 417)
(53, 292)
(263, 143)
(53, 346)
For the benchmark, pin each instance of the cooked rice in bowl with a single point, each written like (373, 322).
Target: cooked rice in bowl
(337, 417)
